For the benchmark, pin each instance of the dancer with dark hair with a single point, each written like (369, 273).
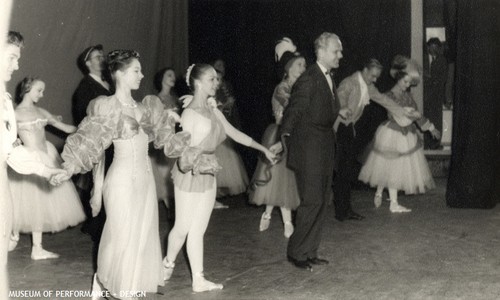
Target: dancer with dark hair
(38, 206)
(164, 82)
(129, 257)
(194, 177)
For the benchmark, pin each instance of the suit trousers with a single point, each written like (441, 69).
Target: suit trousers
(345, 170)
(314, 191)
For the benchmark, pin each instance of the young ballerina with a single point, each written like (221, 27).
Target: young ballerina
(129, 257)
(281, 189)
(397, 160)
(164, 82)
(38, 206)
(194, 181)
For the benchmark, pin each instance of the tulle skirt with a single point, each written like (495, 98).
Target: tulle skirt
(397, 161)
(41, 207)
(232, 179)
(274, 185)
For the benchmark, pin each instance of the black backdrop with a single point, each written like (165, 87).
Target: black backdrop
(243, 33)
(474, 180)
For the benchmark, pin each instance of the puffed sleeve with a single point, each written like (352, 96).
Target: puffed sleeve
(161, 128)
(85, 147)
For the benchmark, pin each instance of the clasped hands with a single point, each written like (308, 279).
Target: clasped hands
(56, 176)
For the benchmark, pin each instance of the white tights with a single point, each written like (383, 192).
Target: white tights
(192, 213)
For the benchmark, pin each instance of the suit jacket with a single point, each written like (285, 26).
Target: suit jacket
(309, 120)
(87, 90)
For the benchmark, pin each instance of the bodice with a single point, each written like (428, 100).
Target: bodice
(32, 133)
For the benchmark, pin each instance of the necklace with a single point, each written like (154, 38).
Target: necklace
(133, 105)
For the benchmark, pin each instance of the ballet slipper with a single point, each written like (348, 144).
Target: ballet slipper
(38, 253)
(265, 220)
(396, 208)
(13, 240)
(168, 269)
(377, 200)
(288, 229)
(200, 284)
(219, 205)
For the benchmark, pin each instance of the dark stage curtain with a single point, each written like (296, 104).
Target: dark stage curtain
(244, 34)
(57, 31)
(474, 179)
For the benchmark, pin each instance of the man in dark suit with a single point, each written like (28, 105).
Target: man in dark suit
(307, 128)
(94, 84)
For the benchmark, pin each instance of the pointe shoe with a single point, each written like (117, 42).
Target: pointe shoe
(288, 229)
(200, 284)
(219, 205)
(38, 253)
(396, 208)
(168, 269)
(14, 238)
(377, 200)
(265, 220)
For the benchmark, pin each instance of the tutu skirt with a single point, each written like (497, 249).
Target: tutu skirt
(274, 185)
(397, 161)
(41, 207)
(232, 179)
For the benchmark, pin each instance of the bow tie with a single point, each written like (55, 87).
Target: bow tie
(328, 73)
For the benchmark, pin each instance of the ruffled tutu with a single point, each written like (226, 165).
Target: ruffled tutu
(232, 179)
(41, 207)
(397, 161)
(275, 185)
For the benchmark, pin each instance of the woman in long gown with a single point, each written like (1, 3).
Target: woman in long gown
(194, 176)
(397, 160)
(129, 256)
(161, 165)
(38, 206)
(277, 186)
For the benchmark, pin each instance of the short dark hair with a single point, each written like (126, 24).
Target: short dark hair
(373, 63)
(15, 38)
(434, 41)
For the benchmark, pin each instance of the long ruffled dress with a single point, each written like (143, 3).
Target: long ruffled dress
(397, 159)
(129, 257)
(275, 185)
(39, 206)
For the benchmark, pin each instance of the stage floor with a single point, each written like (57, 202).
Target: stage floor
(434, 252)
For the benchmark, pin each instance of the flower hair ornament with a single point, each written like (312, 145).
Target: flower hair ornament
(186, 99)
(188, 74)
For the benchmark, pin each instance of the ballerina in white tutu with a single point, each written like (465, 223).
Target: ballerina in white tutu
(38, 206)
(397, 160)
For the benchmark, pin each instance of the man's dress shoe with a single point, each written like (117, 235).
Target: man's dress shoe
(301, 264)
(317, 261)
(351, 215)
